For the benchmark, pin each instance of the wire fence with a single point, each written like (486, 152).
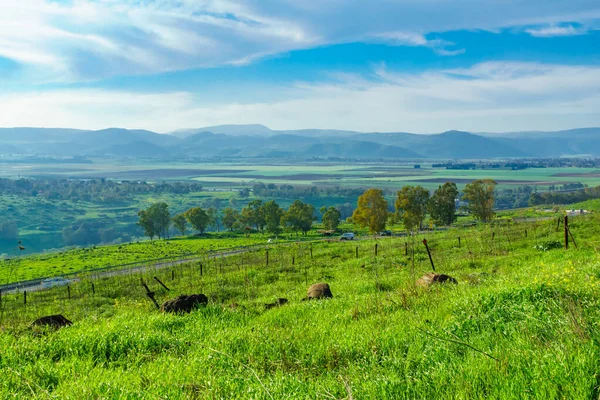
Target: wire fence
(236, 272)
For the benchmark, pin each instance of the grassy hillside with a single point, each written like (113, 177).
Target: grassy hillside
(521, 323)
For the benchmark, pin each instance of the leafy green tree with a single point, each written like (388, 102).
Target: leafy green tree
(371, 211)
(411, 206)
(198, 218)
(213, 219)
(442, 205)
(145, 221)
(253, 215)
(331, 217)
(480, 197)
(273, 214)
(299, 217)
(230, 218)
(180, 223)
(156, 220)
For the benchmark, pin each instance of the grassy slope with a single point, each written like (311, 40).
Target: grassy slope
(534, 314)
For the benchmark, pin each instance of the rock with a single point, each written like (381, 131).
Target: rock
(319, 291)
(431, 278)
(184, 303)
(280, 301)
(53, 321)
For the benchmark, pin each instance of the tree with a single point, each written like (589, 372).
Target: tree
(411, 206)
(442, 205)
(213, 218)
(179, 222)
(480, 197)
(331, 217)
(198, 218)
(230, 218)
(253, 215)
(372, 210)
(155, 220)
(299, 217)
(272, 214)
(145, 221)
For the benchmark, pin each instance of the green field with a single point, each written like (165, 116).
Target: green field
(521, 323)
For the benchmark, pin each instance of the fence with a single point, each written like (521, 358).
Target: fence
(237, 272)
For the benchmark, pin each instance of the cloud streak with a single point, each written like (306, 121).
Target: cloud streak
(88, 40)
(495, 96)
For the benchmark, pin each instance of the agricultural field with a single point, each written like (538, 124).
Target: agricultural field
(228, 175)
(522, 322)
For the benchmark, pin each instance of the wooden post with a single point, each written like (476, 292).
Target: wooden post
(429, 254)
(25, 297)
(161, 284)
(267, 258)
(293, 260)
(572, 238)
(566, 232)
(200, 269)
(376, 245)
(406, 248)
(311, 251)
(525, 232)
(69, 291)
(173, 275)
(558, 224)
(356, 251)
(149, 293)
(93, 288)
(459, 241)
(493, 235)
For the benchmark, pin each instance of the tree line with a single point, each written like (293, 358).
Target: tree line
(412, 204)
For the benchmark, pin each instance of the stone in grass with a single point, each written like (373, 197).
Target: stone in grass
(431, 278)
(319, 291)
(51, 321)
(184, 303)
(279, 302)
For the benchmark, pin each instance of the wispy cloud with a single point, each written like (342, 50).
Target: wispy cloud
(93, 39)
(552, 31)
(497, 96)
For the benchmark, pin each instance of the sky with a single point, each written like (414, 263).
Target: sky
(422, 66)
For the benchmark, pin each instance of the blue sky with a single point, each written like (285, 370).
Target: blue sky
(381, 65)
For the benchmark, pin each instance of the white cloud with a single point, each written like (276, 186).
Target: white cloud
(552, 31)
(92, 39)
(486, 97)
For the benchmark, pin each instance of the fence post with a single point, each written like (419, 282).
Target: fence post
(93, 288)
(200, 269)
(429, 254)
(25, 297)
(376, 245)
(493, 235)
(173, 275)
(406, 248)
(459, 241)
(525, 232)
(566, 232)
(69, 291)
(267, 260)
(293, 260)
(161, 284)
(356, 251)
(311, 256)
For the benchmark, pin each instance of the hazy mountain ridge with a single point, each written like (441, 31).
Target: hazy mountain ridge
(260, 141)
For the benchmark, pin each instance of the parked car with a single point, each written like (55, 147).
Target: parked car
(347, 236)
(385, 233)
(53, 282)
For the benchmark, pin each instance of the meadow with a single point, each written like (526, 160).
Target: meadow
(522, 322)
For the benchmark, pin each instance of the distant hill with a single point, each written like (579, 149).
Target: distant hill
(259, 141)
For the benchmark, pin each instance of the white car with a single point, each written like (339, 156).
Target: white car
(347, 236)
(53, 282)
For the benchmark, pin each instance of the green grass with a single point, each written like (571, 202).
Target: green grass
(521, 323)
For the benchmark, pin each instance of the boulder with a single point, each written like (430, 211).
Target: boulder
(431, 278)
(279, 302)
(53, 321)
(319, 291)
(184, 303)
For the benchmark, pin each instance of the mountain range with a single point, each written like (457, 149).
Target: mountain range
(232, 141)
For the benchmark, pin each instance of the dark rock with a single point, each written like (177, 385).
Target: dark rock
(53, 321)
(319, 291)
(280, 301)
(184, 303)
(431, 278)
